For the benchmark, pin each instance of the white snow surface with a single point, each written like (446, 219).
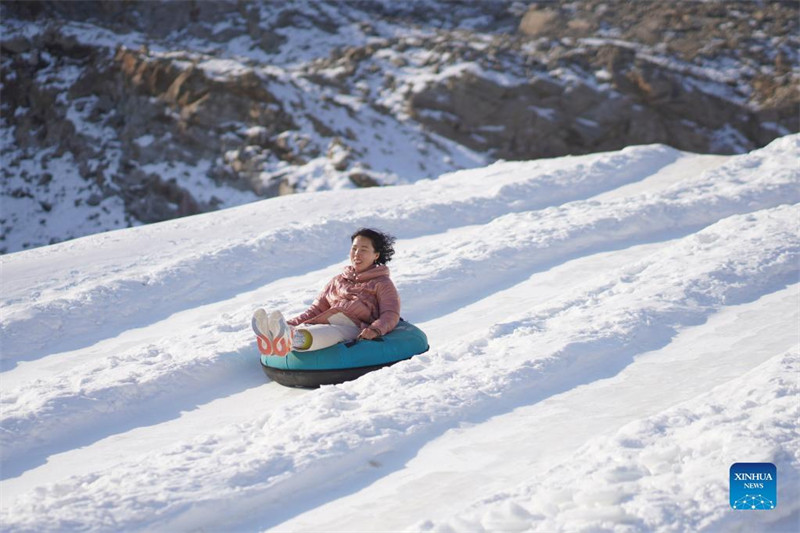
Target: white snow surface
(608, 334)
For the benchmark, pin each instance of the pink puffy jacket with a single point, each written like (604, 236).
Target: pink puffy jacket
(369, 299)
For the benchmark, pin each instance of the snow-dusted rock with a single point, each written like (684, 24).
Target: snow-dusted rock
(150, 110)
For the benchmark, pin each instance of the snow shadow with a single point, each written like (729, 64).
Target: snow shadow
(242, 374)
(577, 364)
(493, 281)
(146, 315)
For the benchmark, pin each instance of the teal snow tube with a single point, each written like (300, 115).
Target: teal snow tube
(345, 361)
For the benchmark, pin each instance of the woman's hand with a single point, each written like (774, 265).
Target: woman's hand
(369, 334)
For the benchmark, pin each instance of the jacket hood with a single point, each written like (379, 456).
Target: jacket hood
(376, 271)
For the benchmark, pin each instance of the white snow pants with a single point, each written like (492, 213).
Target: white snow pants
(308, 337)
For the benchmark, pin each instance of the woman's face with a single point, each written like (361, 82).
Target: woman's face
(362, 254)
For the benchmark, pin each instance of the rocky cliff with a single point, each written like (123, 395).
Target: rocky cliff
(116, 114)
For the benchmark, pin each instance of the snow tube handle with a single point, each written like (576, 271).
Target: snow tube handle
(377, 339)
(353, 342)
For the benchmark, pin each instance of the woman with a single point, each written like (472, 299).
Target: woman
(360, 303)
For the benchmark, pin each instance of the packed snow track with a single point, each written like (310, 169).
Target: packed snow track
(609, 334)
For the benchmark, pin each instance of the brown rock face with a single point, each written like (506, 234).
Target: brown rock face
(538, 22)
(653, 82)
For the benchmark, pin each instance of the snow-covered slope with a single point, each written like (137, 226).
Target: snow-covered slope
(609, 333)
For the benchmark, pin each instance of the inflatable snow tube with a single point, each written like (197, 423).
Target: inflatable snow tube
(345, 361)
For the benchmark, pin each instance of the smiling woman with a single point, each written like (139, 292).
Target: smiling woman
(360, 303)
(320, 346)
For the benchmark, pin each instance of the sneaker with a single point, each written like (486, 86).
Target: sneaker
(280, 333)
(260, 325)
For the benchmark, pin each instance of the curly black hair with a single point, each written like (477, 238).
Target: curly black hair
(383, 243)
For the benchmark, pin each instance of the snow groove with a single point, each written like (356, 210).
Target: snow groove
(632, 467)
(734, 260)
(62, 314)
(523, 242)
(513, 245)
